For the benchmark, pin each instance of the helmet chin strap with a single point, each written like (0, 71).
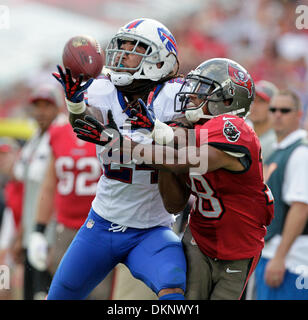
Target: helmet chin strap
(121, 78)
(125, 78)
(197, 114)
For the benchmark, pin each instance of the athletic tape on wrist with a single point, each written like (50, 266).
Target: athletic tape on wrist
(74, 107)
(162, 133)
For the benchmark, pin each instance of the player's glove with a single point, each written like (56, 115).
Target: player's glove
(146, 119)
(143, 119)
(74, 91)
(92, 130)
(38, 250)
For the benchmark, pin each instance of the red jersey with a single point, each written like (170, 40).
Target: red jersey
(77, 171)
(13, 193)
(229, 217)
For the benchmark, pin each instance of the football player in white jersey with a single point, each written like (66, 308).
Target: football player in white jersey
(127, 222)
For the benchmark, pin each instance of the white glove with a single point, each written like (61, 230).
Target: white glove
(37, 251)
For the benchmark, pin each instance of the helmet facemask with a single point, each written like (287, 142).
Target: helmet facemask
(151, 65)
(205, 88)
(114, 51)
(157, 63)
(208, 90)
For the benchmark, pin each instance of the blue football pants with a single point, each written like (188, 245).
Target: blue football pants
(154, 255)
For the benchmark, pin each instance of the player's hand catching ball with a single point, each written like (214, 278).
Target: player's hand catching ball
(74, 90)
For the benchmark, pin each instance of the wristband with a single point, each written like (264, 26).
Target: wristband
(76, 108)
(40, 227)
(162, 133)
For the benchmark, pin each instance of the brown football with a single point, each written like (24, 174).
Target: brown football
(83, 55)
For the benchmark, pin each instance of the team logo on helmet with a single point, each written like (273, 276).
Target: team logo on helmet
(133, 24)
(241, 78)
(167, 39)
(230, 131)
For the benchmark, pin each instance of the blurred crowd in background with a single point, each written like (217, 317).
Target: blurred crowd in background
(259, 34)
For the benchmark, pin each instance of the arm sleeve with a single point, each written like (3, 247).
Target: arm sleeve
(212, 134)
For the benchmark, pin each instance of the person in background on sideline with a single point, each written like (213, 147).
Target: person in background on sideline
(46, 103)
(282, 269)
(260, 116)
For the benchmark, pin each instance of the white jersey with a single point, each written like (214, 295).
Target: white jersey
(128, 194)
(31, 168)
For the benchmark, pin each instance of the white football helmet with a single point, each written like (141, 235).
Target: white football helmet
(160, 47)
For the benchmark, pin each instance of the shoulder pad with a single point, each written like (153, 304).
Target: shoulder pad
(171, 88)
(101, 86)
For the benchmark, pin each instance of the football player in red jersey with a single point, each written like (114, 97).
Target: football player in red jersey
(68, 190)
(233, 206)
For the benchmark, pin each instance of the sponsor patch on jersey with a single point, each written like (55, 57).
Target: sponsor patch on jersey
(241, 78)
(231, 132)
(90, 223)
